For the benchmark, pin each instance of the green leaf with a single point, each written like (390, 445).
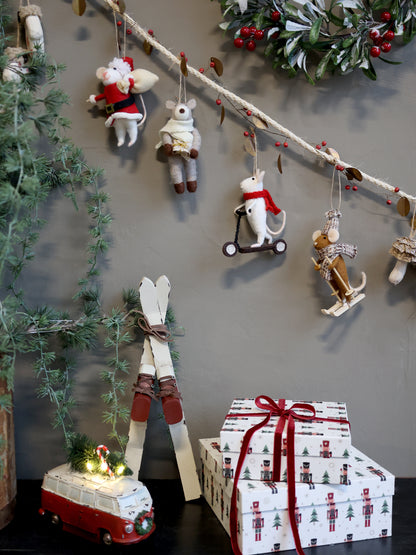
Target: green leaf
(320, 70)
(379, 4)
(315, 30)
(290, 9)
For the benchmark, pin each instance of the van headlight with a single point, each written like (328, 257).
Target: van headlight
(129, 528)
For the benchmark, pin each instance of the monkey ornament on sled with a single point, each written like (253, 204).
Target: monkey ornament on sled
(331, 265)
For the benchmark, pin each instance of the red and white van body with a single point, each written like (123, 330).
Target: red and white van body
(96, 507)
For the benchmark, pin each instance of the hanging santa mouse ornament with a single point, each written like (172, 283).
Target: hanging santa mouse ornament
(331, 265)
(121, 81)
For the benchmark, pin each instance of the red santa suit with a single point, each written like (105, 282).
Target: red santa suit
(119, 105)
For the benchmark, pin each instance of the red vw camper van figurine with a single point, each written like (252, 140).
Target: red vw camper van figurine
(97, 507)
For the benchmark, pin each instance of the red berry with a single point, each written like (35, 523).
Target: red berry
(377, 41)
(347, 187)
(212, 64)
(285, 144)
(275, 16)
(318, 147)
(374, 34)
(201, 70)
(253, 30)
(129, 31)
(278, 143)
(238, 42)
(182, 54)
(119, 23)
(386, 46)
(259, 34)
(389, 35)
(276, 35)
(388, 201)
(244, 32)
(251, 45)
(252, 135)
(248, 112)
(218, 101)
(375, 52)
(339, 168)
(396, 189)
(355, 188)
(385, 16)
(150, 31)
(246, 133)
(324, 143)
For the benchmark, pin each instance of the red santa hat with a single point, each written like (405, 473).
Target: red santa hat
(129, 60)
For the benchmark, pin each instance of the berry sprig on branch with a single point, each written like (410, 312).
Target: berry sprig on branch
(319, 37)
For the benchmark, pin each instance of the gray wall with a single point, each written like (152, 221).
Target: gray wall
(253, 323)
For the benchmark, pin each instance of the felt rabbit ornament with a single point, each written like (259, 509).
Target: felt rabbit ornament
(257, 202)
(181, 142)
(121, 82)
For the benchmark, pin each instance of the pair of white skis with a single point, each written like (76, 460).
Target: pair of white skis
(156, 360)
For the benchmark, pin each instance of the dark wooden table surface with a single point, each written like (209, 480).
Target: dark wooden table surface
(187, 528)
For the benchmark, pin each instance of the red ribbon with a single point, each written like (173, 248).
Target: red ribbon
(289, 415)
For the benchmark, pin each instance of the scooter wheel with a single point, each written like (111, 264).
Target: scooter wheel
(279, 247)
(229, 249)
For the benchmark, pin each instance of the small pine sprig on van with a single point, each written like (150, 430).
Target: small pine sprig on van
(86, 455)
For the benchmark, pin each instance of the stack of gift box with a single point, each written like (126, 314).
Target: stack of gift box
(331, 492)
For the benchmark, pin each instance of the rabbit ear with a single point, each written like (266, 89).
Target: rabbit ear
(316, 234)
(260, 175)
(170, 104)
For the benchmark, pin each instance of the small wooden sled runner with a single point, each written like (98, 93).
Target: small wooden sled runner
(343, 305)
(156, 363)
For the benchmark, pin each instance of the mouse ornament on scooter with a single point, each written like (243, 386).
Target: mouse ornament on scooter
(331, 265)
(257, 202)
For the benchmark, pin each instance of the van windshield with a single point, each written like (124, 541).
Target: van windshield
(128, 502)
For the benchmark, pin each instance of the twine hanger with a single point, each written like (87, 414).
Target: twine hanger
(332, 190)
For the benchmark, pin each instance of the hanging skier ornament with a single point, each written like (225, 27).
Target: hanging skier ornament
(331, 265)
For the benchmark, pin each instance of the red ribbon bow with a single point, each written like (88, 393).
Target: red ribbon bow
(285, 415)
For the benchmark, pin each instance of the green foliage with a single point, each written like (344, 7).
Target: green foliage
(36, 158)
(318, 37)
(83, 457)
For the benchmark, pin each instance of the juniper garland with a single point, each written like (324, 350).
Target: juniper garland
(29, 174)
(318, 36)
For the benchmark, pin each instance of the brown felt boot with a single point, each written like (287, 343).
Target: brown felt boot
(191, 186)
(171, 400)
(142, 398)
(180, 187)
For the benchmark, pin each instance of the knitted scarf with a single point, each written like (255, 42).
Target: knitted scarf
(328, 254)
(270, 205)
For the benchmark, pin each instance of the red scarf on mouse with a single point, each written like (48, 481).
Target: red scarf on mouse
(270, 205)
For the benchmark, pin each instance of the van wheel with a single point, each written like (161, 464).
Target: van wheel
(55, 521)
(106, 538)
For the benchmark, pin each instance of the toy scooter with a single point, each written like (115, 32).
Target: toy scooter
(232, 247)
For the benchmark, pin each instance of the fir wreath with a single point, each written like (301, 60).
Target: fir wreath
(336, 36)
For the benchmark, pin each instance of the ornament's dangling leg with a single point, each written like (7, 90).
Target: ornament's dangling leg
(120, 129)
(175, 169)
(132, 129)
(191, 179)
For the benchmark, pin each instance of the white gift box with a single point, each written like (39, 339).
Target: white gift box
(325, 514)
(322, 449)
